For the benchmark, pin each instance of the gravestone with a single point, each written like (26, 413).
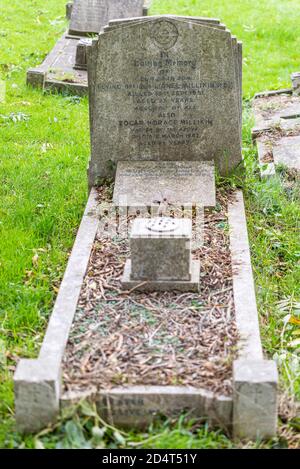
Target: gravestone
(65, 67)
(164, 89)
(89, 16)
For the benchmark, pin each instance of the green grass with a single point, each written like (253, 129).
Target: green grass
(44, 148)
(269, 30)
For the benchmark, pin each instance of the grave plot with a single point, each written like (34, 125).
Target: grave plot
(156, 313)
(65, 67)
(149, 338)
(277, 128)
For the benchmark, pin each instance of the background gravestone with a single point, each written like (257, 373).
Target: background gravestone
(89, 16)
(164, 89)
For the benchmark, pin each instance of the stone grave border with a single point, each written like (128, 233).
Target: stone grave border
(37, 77)
(250, 413)
(269, 169)
(266, 169)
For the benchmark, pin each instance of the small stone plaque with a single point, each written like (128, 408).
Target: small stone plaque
(287, 152)
(146, 183)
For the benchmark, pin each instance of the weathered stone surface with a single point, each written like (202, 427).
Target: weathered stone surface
(81, 57)
(243, 283)
(161, 249)
(274, 111)
(35, 78)
(191, 285)
(69, 7)
(146, 183)
(37, 392)
(287, 152)
(137, 406)
(89, 16)
(255, 399)
(277, 131)
(211, 22)
(296, 83)
(161, 257)
(57, 70)
(267, 166)
(147, 101)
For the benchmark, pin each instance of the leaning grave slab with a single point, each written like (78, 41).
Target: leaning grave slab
(277, 128)
(137, 354)
(65, 69)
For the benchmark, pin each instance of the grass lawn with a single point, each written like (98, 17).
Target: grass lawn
(44, 148)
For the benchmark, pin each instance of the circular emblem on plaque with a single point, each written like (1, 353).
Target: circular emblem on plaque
(162, 225)
(165, 34)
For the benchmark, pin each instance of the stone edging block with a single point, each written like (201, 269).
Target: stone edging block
(254, 379)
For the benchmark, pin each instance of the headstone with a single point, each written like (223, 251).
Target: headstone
(89, 16)
(145, 183)
(161, 256)
(164, 89)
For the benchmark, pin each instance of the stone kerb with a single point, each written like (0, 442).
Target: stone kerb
(255, 380)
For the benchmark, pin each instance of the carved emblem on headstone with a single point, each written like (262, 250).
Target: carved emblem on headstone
(165, 34)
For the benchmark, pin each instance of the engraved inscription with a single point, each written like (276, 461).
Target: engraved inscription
(139, 406)
(164, 83)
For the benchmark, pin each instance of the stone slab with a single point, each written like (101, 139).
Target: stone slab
(255, 399)
(267, 168)
(277, 115)
(37, 394)
(287, 152)
(163, 285)
(138, 406)
(146, 183)
(243, 283)
(265, 94)
(254, 379)
(89, 16)
(161, 110)
(58, 72)
(211, 22)
(285, 117)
